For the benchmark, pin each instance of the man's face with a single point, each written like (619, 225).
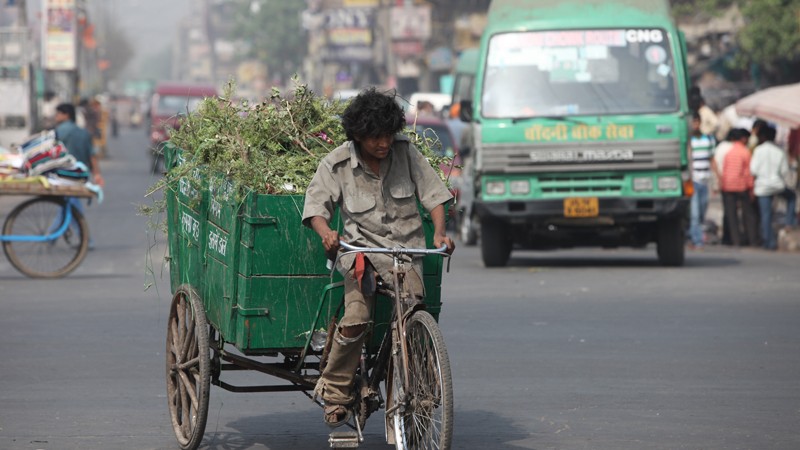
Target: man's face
(695, 126)
(61, 117)
(376, 147)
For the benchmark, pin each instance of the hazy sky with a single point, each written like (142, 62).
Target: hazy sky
(149, 24)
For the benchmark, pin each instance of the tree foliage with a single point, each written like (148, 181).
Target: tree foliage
(273, 30)
(770, 38)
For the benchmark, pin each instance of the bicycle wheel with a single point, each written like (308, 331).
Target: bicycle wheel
(188, 367)
(423, 418)
(45, 258)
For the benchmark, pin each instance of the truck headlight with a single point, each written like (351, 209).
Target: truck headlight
(642, 184)
(496, 187)
(668, 183)
(520, 187)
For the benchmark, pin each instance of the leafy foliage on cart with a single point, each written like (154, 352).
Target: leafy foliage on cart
(272, 147)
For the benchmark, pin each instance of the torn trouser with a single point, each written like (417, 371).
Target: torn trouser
(335, 384)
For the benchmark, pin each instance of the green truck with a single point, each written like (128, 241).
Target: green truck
(578, 129)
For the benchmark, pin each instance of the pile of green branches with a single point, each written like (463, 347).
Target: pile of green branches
(273, 147)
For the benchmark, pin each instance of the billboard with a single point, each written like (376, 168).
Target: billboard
(349, 34)
(60, 35)
(411, 23)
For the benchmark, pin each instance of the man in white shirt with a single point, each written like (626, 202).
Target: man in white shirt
(770, 168)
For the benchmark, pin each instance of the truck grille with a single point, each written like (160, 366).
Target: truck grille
(581, 156)
(568, 186)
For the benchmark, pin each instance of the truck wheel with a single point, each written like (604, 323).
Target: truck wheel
(495, 243)
(669, 243)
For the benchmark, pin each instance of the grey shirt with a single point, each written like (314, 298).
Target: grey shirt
(378, 210)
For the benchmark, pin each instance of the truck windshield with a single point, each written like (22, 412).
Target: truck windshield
(579, 72)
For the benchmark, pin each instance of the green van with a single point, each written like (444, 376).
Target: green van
(578, 128)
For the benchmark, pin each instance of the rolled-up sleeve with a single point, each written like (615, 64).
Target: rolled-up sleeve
(322, 195)
(431, 190)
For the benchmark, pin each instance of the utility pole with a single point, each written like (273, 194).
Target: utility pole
(23, 12)
(384, 18)
(211, 37)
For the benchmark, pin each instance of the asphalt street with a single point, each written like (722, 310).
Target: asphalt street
(577, 349)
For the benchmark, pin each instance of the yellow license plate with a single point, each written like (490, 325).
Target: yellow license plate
(581, 207)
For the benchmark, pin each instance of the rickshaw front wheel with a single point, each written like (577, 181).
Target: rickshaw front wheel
(421, 417)
(188, 367)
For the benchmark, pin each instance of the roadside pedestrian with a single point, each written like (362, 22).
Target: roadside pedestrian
(49, 104)
(737, 191)
(717, 158)
(708, 118)
(77, 140)
(375, 180)
(752, 143)
(702, 151)
(79, 144)
(98, 121)
(770, 168)
(81, 113)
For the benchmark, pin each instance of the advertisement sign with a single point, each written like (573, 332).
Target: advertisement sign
(349, 33)
(360, 3)
(411, 23)
(353, 54)
(349, 36)
(60, 31)
(349, 18)
(407, 48)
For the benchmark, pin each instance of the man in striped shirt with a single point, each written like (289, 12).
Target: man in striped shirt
(702, 151)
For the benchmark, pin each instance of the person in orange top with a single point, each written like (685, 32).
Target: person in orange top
(736, 185)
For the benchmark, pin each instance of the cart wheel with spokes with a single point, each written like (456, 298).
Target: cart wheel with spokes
(188, 367)
(422, 416)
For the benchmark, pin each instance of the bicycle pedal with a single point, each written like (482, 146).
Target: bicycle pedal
(344, 439)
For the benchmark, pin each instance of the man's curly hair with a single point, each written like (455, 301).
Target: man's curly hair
(372, 114)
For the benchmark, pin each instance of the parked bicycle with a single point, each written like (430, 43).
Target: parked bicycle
(46, 236)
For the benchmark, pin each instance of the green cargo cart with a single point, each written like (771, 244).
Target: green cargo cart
(251, 291)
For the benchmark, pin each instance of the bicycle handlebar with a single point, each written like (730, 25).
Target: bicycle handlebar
(389, 251)
(396, 250)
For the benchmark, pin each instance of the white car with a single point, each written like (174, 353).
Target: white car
(438, 100)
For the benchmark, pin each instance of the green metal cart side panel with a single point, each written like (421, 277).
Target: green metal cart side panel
(173, 241)
(275, 241)
(192, 191)
(431, 265)
(186, 266)
(220, 276)
(223, 207)
(218, 297)
(280, 320)
(189, 260)
(276, 312)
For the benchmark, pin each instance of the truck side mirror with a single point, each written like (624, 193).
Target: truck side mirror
(465, 111)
